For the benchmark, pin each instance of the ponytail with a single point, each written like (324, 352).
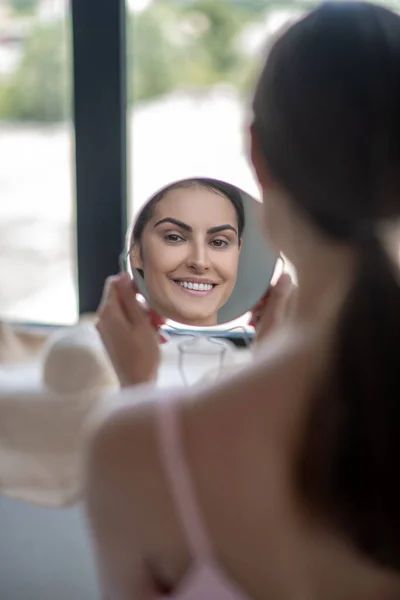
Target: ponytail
(350, 459)
(327, 127)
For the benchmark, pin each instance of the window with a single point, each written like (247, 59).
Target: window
(62, 188)
(188, 66)
(37, 215)
(191, 68)
(190, 71)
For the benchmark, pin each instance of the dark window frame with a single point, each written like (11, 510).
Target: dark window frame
(100, 109)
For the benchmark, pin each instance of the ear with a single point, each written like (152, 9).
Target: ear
(260, 164)
(135, 257)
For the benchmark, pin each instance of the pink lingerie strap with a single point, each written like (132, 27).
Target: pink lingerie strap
(179, 478)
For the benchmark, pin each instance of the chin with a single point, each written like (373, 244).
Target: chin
(199, 320)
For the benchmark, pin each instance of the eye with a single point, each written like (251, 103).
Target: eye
(173, 238)
(218, 243)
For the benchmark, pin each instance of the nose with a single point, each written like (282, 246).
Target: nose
(198, 259)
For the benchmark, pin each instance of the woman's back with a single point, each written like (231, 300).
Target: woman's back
(226, 446)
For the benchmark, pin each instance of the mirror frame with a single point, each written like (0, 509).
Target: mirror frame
(255, 250)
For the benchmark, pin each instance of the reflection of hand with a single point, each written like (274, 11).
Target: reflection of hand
(129, 333)
(274, 307)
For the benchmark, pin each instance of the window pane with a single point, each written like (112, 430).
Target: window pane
(192, 66)
(37, 222)
(191, 70)
(189, 65)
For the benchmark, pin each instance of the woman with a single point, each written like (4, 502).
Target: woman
(283, 482)
(186, 242)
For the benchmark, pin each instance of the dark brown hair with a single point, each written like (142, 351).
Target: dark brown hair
(327, 118)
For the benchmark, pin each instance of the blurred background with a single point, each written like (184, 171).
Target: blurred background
(190, 66)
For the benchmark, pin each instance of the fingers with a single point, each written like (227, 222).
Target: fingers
(277, 301)
(127, 290)
(276, 306)
(155, 319)
(108, 292)
(281, 290)
(133, 285)
(119, 301)
(134, 311)
(291, 301)
(260, 305)
(111, 319)
(110, 311)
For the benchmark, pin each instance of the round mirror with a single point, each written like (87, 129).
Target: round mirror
(197, 254)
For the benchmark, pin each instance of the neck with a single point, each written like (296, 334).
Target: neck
(324, 273)
(208, 322)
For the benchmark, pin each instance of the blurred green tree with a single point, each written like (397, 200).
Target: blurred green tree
(40, 88)
(216, 48)
(174, 44)
(171, 44)
(23, 6)
(153, 59)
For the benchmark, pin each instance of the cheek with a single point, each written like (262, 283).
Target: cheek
(228, 264)
(161, 259)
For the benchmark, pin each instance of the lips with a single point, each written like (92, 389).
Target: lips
(198, 287)
(195, 287)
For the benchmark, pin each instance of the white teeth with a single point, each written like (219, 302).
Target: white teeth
(200, 287)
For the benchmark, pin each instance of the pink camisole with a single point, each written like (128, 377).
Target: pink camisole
(205, 579)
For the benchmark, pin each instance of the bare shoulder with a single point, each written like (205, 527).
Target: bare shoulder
(276, 367)
(130, 428)
(222, 428)
(125, 489)
(126, 432)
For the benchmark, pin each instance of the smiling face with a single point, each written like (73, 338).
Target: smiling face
(189, 254)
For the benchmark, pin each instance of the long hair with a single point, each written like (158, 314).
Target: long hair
(327, 118)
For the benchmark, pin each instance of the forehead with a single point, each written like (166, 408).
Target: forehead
(197, 207)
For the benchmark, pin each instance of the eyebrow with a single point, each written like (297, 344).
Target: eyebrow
(185, 227)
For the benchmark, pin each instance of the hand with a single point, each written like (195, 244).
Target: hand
(129, 332)
(274, 308)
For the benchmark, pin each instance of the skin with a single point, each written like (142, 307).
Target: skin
(192, 236)
(240, 440)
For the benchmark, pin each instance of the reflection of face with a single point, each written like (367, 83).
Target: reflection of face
(189, 254)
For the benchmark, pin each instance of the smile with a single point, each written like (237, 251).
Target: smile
(198, 289)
